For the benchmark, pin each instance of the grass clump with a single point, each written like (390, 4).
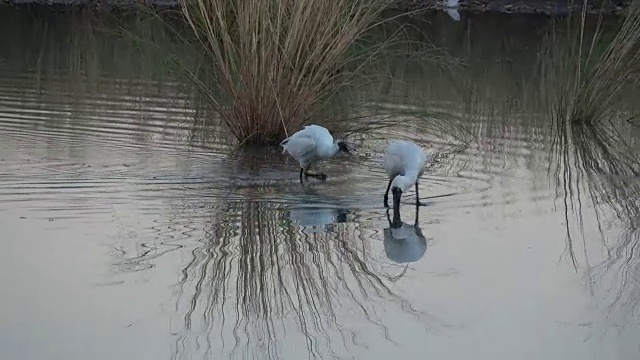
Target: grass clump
(273, 63)
(586, 75)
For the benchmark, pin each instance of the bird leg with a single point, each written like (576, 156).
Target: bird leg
(317, 176)
(418, 203)
(301, 172)
(386, 194)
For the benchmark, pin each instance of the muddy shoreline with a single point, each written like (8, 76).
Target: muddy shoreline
(549, 7)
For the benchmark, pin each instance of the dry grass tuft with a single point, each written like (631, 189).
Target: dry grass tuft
(273, 63)
(586, 75)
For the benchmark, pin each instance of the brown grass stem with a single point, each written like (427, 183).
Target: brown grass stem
(274, 63)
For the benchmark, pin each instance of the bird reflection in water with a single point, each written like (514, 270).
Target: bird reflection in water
(317, 217)
(451, 8)
(403, 242)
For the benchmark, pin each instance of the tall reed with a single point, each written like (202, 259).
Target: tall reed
(273, 63)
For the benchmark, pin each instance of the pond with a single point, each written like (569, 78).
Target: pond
(132, 227)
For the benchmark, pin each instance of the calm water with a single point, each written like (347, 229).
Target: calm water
(133, 229)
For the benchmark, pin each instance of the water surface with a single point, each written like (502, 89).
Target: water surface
(133, 229)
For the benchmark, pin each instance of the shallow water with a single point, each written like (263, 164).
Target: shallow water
(129, 231)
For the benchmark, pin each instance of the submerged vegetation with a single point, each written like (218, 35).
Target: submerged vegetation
(274, 63)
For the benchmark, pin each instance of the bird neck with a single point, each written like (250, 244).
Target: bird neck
(411, 176)
(331, 151)
(405, 181)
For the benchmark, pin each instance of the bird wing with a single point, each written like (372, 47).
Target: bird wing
(300, 147)
(395, 159)
(307, 141)
(319, 133)
(304, 133)
(404, 156)
(393, 163)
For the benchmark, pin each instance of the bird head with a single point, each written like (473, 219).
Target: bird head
(343, 147)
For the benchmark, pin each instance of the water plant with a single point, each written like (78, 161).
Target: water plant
(273, 63)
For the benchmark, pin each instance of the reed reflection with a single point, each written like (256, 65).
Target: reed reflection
(594, 157)
(595, 164)
(264, 269)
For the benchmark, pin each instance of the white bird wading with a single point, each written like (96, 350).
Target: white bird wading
(312, 143)
(404, 162)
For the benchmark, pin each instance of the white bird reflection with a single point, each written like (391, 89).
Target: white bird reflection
(404, 243)
(317, 217)
(451, 8)
(314, 211)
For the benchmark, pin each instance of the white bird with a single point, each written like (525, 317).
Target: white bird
(404, 162)
(311, 144)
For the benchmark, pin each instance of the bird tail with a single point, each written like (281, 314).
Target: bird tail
(283, 143)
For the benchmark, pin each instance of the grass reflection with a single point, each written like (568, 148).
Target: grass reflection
(593, 160)
(257, 273)
(595, 168)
